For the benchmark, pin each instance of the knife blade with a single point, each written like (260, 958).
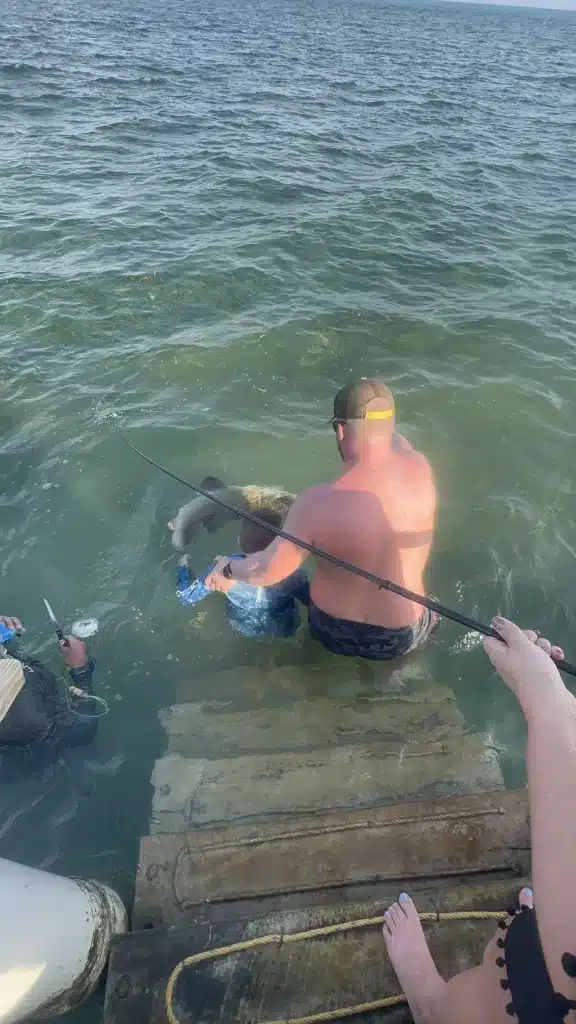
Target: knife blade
(56, 624)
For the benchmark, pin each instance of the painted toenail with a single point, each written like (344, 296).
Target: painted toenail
(527, 893)
(404, 898)
(387, 914)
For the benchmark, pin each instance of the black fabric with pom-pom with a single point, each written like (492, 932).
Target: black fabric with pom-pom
(533, 1000)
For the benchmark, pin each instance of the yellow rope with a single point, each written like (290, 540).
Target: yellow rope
(314, 933)
(305, 833)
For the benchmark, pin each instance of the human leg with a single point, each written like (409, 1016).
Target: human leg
(475, 996)
(524, 662)
(411, 959)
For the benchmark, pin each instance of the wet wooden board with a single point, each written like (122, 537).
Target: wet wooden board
(190, 792)
(11, 682)
(295, 979)
(392, 718)
(461, 835)
(272, 684)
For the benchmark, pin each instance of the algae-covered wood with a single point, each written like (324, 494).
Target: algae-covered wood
(283, 807)
(277, 681)
(395, 718)
(438, 838)
(292, 980)
(190, 792)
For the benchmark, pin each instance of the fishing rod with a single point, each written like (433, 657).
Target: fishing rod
(382, 584)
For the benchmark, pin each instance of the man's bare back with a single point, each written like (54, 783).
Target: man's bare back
(380, 518)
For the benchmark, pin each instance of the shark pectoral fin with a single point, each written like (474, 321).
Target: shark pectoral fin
(212, 483)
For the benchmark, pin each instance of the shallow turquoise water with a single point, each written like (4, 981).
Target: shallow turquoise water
(213, 215)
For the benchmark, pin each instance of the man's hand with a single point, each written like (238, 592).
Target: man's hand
(216, 581)
(11, 623)
(75, 654)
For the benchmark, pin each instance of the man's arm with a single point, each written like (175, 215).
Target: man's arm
(75, 724)
(278, 561)
(80, 664)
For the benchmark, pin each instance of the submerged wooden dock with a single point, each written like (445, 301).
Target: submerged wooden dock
(315, 811)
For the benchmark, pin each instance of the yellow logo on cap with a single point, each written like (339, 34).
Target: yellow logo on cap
(384, 414)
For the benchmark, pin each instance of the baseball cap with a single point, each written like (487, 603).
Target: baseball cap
(363, 400)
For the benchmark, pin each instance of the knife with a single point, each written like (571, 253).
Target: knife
(56, 624)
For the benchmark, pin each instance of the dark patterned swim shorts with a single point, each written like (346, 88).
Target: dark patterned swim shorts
(363, 640)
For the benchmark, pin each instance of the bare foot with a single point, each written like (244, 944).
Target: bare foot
(411, 959)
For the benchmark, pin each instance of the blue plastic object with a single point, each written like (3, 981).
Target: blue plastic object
(191, 592)
(6, 635)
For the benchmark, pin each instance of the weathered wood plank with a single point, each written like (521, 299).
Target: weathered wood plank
(190, 792)
(481, 833)
(271, 683)
(11, 682)
(292, 980)
(200, 729)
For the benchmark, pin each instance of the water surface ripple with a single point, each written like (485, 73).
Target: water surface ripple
(212, 215)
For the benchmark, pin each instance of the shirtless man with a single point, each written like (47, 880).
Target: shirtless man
(379, 515)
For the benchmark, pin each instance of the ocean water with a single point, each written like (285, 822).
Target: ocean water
(212, 216)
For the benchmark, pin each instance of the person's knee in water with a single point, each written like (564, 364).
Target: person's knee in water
(252, 611)
(528, 971)
(34, 710)
(378, 515)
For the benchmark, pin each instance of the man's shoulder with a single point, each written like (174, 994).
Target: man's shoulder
(316, 492)
(416, 480)
(309, 499)
(303, 515)
(414, 461)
